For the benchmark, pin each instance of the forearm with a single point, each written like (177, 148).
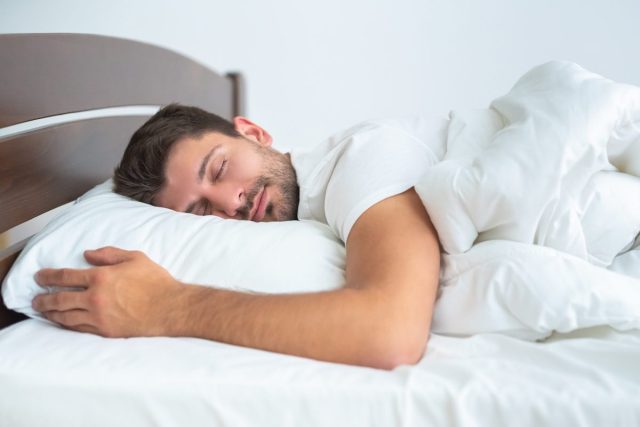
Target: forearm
(345, 326)
(380, 318)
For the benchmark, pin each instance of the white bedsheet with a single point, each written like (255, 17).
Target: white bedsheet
(53, 377)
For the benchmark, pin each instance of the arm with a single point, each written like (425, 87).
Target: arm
(380, 318)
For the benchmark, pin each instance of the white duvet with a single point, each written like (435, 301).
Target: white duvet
(537, 207)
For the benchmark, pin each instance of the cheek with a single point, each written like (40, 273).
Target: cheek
(246, 168)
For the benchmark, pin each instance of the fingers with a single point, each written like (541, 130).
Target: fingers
(70, 318)
(108, 255)
(60, 301)
(62, 277)
(77, 320)
(69, 309)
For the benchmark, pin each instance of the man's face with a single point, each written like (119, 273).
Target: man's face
(239, 178)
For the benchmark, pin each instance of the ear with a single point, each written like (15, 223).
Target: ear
(252, 131)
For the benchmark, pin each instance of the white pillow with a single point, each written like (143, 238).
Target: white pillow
(293, 256)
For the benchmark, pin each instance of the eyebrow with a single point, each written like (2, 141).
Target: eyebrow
(203, 167)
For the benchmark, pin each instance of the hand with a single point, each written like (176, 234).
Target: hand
(126, 295)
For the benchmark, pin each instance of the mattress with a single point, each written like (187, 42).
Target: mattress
(50, 376)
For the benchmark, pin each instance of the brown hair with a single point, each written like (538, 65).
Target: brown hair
(140, 174)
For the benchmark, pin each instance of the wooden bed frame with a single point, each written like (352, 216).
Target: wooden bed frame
(48, 75)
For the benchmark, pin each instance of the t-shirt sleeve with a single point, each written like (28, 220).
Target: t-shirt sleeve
(375, 164)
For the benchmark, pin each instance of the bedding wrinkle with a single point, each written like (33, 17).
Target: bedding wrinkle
(531, 212)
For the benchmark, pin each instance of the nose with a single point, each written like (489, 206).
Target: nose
(227, 200)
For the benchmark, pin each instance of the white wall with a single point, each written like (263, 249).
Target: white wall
(314, 67)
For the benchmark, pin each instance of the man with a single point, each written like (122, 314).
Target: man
(360, 183)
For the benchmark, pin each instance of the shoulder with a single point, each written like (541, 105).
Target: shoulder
(425, 133)
(378, 138)
(355, 168)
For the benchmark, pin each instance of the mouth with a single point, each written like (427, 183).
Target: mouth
(259, 205)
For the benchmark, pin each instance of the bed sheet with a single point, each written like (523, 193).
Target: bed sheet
(51, 377)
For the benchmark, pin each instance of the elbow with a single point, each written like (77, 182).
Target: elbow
(395, 360)
(395, 333)
(394, 353)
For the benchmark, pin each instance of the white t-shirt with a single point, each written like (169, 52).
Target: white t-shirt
(355, 169)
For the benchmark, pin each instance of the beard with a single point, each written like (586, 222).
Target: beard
(278, 173)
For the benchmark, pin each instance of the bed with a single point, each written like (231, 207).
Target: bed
(52, 376)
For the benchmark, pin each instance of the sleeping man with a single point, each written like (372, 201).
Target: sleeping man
(554, 163)
(359, 182)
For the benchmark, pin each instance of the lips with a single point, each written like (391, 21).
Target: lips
(260, 204)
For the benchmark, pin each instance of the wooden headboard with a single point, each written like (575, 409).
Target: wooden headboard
(68, 106)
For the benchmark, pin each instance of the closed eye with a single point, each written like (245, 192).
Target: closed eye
(221, 170)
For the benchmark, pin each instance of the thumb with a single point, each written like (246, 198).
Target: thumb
(107, 255)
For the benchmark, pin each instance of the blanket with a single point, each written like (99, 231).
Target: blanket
(537, 207)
